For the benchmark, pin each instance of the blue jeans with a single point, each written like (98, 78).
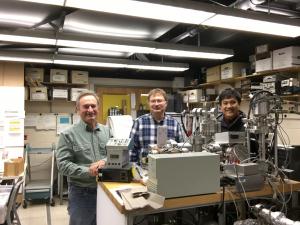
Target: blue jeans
(82, 205)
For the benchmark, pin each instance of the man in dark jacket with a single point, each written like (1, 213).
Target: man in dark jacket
(231, 116)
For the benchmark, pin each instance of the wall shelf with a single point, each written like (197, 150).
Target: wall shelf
(240, 78)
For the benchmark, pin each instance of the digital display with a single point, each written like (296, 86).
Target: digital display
(114, 156)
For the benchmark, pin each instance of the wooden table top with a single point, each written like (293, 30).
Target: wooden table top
(205, 199)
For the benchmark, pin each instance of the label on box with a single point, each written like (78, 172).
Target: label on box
(38, 96)
(60, 93)
(79, 77)
(58, 78)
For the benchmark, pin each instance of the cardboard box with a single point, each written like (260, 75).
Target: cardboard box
(58, 76)
(264, 65)
(38, 94)
(286, 57)
(261, 49)
(34, 74)
(59, 93)
(232, 69)
(75, 92)
(213, 74)
(13, 167)
(79, 77)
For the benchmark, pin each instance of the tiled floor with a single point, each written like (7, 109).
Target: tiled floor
(42, 214)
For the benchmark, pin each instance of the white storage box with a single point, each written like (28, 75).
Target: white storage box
(34, 74)
(79, 77)
(59, 93)
(232, 69)
(213, 74)
(58, 76)
(264, 65)
(75, 92)
(286, 57)
(38, 94)
(193, 96)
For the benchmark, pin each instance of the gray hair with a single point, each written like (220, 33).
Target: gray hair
(86, 93)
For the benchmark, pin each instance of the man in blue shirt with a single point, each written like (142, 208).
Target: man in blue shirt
(144, 129)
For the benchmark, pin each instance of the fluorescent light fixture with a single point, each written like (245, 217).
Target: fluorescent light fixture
(90, 61)
(106, 30)
(92, 52)
(119, 63)
(192, 54)
(160, 68)
(116, 45)
(25, 57)
(25, 39)
(168, 12)
(28, 37)
(105, 46)
(185, 11)
(48, 2)
(25, 20)
(145, 47)
(253, 25)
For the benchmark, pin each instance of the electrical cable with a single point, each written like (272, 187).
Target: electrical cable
(233, 199)
(242, 186)
(253, 100)
(183, 125)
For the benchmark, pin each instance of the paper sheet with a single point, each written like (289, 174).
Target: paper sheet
(46, 122)
(31, 120)
(120, 126)
(63, 123)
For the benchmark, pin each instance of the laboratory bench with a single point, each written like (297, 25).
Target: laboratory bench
(110, 208)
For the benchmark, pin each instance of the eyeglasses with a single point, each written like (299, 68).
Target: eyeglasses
(157, 101)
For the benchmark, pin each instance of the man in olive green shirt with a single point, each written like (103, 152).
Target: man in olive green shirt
(80, 153)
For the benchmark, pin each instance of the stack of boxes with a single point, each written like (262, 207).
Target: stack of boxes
(232, 69)
(278, 59)
(59, 79)
(286, 57)
(58, 76)
(263, 58)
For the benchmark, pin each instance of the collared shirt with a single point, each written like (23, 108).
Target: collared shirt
(77, 148)
(144, 132)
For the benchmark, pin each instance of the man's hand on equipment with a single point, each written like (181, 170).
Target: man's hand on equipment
(93, 170)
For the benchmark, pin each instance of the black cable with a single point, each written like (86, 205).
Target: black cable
(183, 125)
